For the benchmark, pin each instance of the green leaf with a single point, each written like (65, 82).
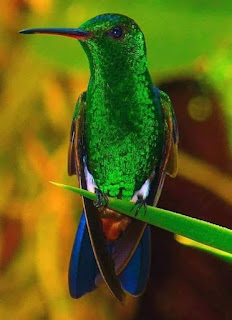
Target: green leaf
(198, 230)
(199, 246)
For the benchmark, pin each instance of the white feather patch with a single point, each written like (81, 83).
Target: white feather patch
(143, 191)
(90, 183)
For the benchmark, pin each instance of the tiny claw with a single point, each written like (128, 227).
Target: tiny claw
(138, 205)
(102, 199)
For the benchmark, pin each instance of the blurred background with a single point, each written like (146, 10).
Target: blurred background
(189, 52)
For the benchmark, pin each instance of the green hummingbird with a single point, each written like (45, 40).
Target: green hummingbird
(123, 142)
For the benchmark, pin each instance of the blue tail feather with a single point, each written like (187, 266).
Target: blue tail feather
(83, 268)
(134, 277)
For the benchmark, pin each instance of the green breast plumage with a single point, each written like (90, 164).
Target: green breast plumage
(124, 136)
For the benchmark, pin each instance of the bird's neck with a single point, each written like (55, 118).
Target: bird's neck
(125, 84)
(117, 75)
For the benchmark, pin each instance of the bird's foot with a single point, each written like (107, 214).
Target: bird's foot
(102, 199)
(139, 204)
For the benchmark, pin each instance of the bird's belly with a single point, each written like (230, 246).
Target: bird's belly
(119, 169)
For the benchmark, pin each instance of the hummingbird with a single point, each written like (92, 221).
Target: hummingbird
(123, 142)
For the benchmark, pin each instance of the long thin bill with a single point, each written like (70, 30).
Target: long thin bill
(67, 32)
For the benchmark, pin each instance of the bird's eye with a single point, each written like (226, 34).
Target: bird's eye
(116, 32)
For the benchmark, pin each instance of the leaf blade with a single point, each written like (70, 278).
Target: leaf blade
(202, 247)
(198, 230)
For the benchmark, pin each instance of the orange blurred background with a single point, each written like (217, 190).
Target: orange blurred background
(189, 52)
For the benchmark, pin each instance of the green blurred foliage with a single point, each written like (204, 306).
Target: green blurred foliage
(41, 77)
(217, 72)
(181, 29)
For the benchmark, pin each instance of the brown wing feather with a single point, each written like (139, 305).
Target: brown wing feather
(168, 164)
(172, 136)
(172, 165)
(72, 170)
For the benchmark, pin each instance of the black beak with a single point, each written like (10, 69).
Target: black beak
(67, 32)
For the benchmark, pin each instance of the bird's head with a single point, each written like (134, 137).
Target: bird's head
(109, 40)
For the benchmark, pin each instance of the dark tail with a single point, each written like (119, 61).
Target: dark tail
(83, 269)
